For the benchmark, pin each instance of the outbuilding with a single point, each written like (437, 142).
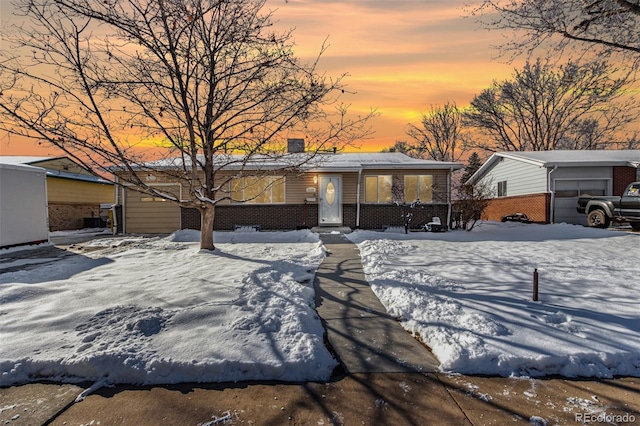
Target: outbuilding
(23, 205)
(545, 185)
(74, 195)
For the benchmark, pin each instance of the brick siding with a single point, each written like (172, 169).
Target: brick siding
(622, 177)
(288, 217)
(269, 217)
(535, 206)
(377, 216)
(64, 217)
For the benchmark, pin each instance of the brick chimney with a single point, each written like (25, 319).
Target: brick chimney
(295, 145)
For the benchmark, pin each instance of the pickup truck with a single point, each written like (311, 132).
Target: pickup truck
(601, 211)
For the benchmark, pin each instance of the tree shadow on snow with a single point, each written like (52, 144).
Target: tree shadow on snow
(44, 265)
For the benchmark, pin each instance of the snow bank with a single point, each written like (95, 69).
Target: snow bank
(468, 296)
(157, 310)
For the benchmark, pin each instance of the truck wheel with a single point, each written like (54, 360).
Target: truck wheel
(635, 226)
(597, 219)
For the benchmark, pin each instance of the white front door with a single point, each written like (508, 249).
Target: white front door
(330, 200)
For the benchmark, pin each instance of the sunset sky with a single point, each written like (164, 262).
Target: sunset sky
(403, 56)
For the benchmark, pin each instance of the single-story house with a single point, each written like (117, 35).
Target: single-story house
(545, 185)
(23, 205)
(355, 190)
(74, 194)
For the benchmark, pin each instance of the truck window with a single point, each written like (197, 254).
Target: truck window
(634, 191)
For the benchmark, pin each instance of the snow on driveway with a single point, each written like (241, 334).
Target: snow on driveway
(468, 295)
(158, 310)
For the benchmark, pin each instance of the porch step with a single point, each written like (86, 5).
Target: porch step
(331, 229)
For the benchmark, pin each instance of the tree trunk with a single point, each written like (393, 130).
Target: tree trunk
(206, 228)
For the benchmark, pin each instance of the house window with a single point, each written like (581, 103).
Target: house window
(418, 187)
(502, 188)
(258, 189)
(378, 189)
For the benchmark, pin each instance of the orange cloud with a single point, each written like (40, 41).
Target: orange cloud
(402, 57)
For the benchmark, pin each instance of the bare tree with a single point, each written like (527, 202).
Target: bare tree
(405, 148)
(207, 79)
(543, 107)
(472, 201)
(606, 25)
(440, 136)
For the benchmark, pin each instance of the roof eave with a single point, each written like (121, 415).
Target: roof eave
(45, 160)
(387, 167)
(612, 163)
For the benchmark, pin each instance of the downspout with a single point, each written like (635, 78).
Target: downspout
(449, 196)
(124, 217)
(358, 199)
(114, 209)
(46, 206)
(553, 196)
(116, 189)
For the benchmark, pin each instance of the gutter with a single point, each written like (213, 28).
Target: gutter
(358, 199)
(553, 195)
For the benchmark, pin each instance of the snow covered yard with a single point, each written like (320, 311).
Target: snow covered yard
(468, 296)
(157, 310)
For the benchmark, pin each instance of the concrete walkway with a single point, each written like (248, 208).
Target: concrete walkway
(386, 378)
(364, 338)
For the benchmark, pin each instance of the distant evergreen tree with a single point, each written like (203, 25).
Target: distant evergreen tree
(472, 200)
(472, 166)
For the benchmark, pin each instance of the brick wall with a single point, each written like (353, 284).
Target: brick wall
(64, 217)
(622, 177)
(269, 217)
(535, 206)
(287, 217)
(376, 216)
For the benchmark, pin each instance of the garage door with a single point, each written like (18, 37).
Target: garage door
(566, 198)
(151, 215)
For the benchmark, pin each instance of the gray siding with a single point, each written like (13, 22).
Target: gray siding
(522, 178)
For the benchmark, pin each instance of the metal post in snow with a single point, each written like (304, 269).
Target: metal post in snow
(535, 285)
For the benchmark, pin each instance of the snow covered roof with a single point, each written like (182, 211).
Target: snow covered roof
(27, 160)
(22, 167)
(24, 159)
(341, 162)
(379, 160)
(628, 157)
(565, 158)
(76, 176)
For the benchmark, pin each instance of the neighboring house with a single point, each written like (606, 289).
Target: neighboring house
(74, 194)
(348, 189)
(23, 205)
(545, 185)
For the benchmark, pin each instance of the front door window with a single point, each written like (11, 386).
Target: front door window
(330, 202)
(330, 194)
